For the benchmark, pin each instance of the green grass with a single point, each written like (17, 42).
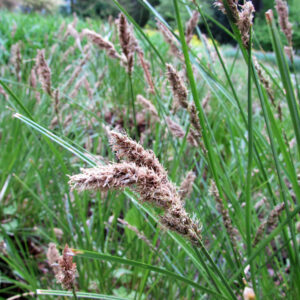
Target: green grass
(251, 155)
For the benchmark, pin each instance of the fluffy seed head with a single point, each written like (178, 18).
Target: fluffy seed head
(191, 25)
(179, 90)
(245, 21)
(186, 186)
(98, 40)
(283, 15)
(43, 71)
(147, 105)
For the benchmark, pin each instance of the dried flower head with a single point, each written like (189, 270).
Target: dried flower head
(186, 186)
(146, 176)
(179, 90)
(283, 15)
(16, 59)
(146, 67)
(232, 232)
(147, 105)
(125, 147)
(232, 6)
(169, 38)
(43, 71)
(127, 41)
(245, 21)
(191, 25)
(53, 257)
(98, 40)
(67, 269)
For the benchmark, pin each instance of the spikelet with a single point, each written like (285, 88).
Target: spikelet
(179, 90)
(67, 269)
(99, 41)
(53, 257)
(149, 107)
(175, 128)
(232, 5)
(146, 67)
(77, 70)
(269, 223)
(127, 41)
(16, 59)
(121, 175)
(61, 29)
(232, 232)
(245, 21)
(283, 15)
(186, 186)
(267, 85)
(43, 71)
(74, 33)
(191, 25)
(124, 147)
(169, 38)
(33, 83)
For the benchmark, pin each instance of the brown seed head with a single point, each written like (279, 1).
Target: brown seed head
(125, 147)
(179, 90)
(283, 15)
(67, 269)
(98, 40)
(186, 186)
(147, 105)
(245, 21)
(191, 25)
(43, 71)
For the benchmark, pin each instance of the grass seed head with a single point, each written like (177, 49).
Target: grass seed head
(43, 71)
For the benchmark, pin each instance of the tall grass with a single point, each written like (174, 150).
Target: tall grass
(246, 163)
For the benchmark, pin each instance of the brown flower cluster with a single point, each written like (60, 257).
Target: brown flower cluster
(62, 265)
(143, 173)
(242, 15)
(283, 15)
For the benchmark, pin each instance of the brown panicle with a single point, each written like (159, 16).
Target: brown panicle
(191, 25)
(179, 90)
(99, 41)
(283, 15)
(67, 269)
(186, 186)
(245, 21)
(232, 232)
(125, 147)
(16, 59)
(147, 105)
(43, 71)
(169, 38)
(145, 175)
(127, 41)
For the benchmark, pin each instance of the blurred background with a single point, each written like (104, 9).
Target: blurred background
(105, 8)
